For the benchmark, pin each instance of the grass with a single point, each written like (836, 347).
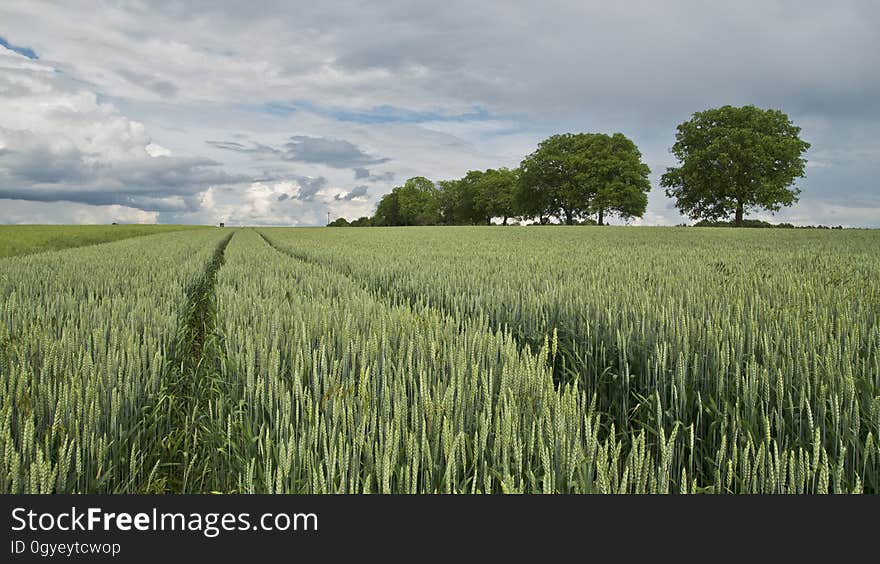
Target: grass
(18, 240)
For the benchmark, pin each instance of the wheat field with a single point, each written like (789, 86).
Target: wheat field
(445, 360)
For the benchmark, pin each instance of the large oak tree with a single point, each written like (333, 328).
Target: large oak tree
(733, 160)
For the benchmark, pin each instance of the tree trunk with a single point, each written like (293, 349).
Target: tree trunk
(505, 221)
(601, 216)
(739, 214)
(569, 220)
(542, 220)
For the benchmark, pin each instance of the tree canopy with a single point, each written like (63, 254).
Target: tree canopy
(479, 196)
(733, 160)
(415, 203)
(575, 176)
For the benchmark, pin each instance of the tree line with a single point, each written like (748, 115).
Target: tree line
(732, 160)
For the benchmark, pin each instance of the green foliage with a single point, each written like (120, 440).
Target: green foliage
(359, 222)
(570, 176)
(418, 202)
(28, 239)
(496, 193)
(618, 177)
(745, 223)
(577, 175)
(550, 179)
(415, 203)
(362, 222)
(761, 224)
(458, 200)
(734, 160)
(388, 210)
(479, 197)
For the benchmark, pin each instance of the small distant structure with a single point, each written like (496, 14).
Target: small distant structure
(222, 224)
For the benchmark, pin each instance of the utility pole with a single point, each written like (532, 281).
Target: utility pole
(328, 218)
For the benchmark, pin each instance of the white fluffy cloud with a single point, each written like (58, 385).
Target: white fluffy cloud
(60, 142)
(290, 202)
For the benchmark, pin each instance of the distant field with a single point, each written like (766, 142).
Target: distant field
(18, 240)
(436, 360)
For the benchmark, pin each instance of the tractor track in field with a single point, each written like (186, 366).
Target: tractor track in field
(185, 441)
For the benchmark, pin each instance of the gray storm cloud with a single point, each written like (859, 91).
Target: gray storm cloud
(361, 173)
(335, 153)
(309, 187)
(157, 85)
(356, 192)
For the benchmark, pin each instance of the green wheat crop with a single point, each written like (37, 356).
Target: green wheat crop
(85, 343)
(445, 360)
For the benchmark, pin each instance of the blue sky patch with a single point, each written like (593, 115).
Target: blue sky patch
(376, 115)
(390, 114)
(278, 108)
(26, 51)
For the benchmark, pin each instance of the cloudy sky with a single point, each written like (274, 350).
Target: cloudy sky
(280, 112)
